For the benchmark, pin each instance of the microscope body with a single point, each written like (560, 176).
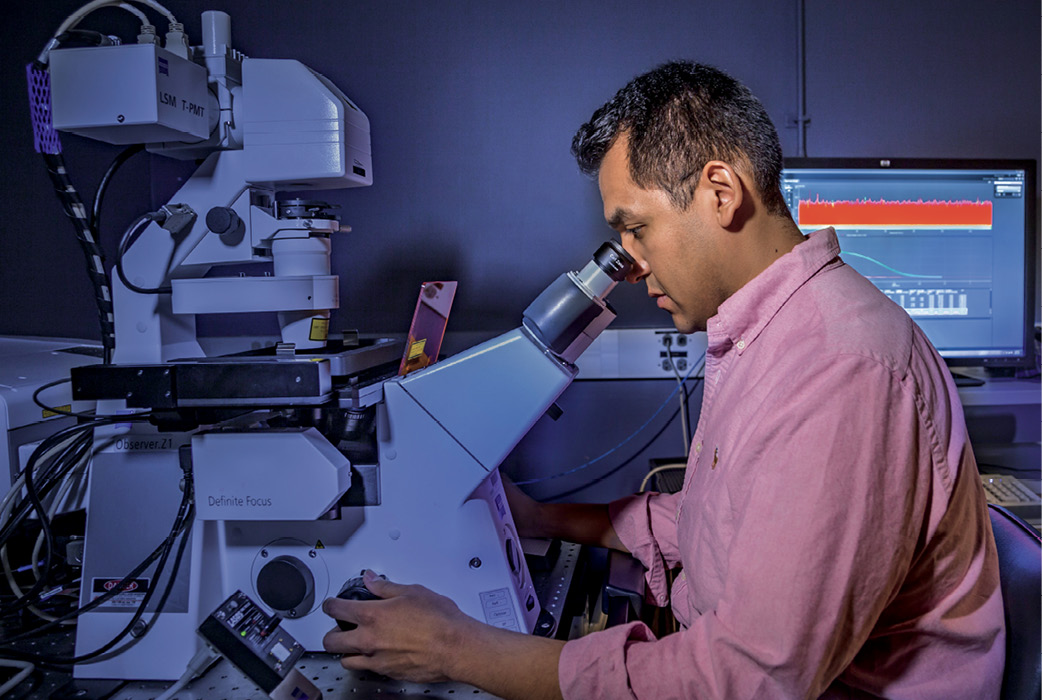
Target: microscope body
(283, 511)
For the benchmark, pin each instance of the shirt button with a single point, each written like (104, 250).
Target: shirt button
(698, 447)
(741, 344)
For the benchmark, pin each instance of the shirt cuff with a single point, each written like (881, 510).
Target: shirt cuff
(594, 666)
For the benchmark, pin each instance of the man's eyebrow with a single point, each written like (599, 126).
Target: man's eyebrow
(617, 218)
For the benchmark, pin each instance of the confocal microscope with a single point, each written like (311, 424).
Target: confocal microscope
(282, 471)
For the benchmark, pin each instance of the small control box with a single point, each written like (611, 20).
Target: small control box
(256, 644)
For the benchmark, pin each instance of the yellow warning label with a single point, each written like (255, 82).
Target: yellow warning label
(319, 545)
(416, 349)
(59, 411)
(319, 329)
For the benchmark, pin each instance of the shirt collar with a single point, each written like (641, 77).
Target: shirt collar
(742, 316)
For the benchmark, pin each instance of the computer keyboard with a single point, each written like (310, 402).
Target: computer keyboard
(1012, 494)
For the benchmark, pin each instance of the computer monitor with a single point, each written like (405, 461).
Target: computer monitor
(951, 241)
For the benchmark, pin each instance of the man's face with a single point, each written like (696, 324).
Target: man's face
(675, 251)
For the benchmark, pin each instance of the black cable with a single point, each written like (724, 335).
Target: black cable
(133, 231)
(185, 530)
(45, 523)
(185, 524)
(74, 414)
(83, 37)
(45, 526)
(50, 475)
(636, 454)
(124, 155)
(46, 471)
(53, 474)
(6, 651)
(56, 409)
(171, 579)
(182, 521)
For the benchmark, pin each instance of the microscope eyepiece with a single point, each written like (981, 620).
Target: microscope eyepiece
(614, 260)
(571, 312)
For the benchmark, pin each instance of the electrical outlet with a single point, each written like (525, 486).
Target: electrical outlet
(641, 353)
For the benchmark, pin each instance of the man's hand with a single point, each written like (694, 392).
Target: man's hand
(411, 634)
(417, 635)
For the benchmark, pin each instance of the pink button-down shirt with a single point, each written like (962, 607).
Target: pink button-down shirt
(832, 528)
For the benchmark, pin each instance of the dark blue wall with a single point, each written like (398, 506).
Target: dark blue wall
(473, 106)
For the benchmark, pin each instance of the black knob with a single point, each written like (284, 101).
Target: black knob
(222, 220)
(354, 589)
(287, 586)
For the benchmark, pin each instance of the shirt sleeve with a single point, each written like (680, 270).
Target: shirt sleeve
(647, 524)
(820, 546)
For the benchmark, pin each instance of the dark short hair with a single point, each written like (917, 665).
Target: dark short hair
(678, 117)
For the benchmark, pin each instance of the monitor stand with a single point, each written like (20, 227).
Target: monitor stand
(965, 379)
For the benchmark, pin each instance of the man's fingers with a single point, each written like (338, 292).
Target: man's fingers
(340, 609)
(356, 662)
(337, 641)
(381, 586)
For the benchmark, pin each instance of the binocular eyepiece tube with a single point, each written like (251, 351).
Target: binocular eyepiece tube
(569, 314)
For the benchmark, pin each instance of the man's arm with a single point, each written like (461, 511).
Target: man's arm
(417, 635)
(582, 523)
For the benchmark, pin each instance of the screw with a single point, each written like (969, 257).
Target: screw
(475, 563)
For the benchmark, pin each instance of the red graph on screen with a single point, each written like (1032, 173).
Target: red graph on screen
(870, 213)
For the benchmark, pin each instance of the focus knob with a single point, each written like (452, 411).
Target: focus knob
(222, 220)
(354, 589)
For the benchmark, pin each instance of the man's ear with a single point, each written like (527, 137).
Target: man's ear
(726, 188)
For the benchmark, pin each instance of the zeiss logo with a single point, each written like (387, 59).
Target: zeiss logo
(164, 68)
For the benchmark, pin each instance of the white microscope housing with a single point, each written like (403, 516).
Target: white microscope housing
(282, 509)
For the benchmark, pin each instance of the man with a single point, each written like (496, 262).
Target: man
(832, 532)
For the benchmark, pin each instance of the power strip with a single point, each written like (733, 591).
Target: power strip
(641, 353)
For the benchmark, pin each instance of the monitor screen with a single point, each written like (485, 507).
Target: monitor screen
(951, 241)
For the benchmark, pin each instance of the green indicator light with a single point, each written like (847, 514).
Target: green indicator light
(243, 633)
